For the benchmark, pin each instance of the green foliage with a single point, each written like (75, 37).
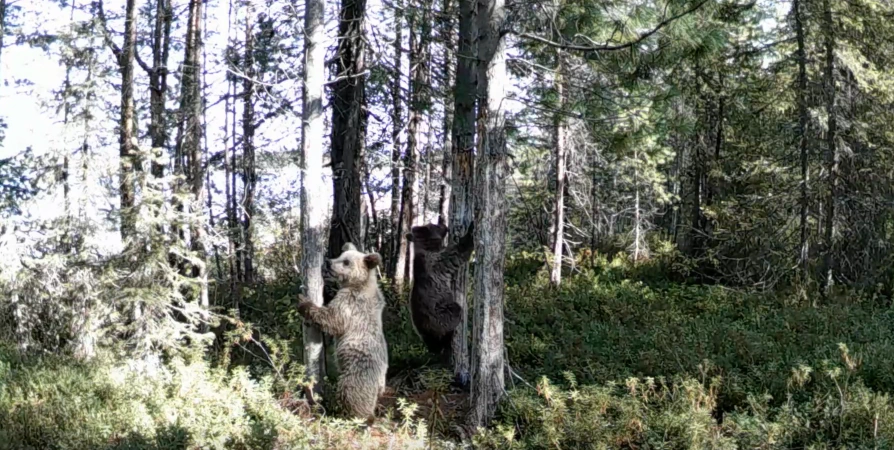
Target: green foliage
(17, 179)
(54, 403)
(823, 409)
(649, 363)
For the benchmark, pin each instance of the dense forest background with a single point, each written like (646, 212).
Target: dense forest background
(684, 217)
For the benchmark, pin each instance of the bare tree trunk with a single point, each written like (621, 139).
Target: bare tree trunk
(348, 131)
(490, 229)
(419, 100)
(396, 127)
(125, 57)
(555, 276)
(833, 158)
(449, 41)
(66, 186)
(189, 128)
(347, 138)
(313, 213)
(372, 222)
(158, 85)
(462, 168)
(249, 173)
(802, 139)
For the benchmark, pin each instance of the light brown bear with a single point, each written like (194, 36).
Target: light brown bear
(354, 318)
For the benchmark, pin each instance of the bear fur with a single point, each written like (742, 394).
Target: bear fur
(433, 309)
(354, 318)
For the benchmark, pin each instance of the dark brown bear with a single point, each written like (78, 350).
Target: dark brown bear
(433, 309)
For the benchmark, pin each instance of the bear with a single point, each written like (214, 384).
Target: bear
(434, 312)
(354, 319)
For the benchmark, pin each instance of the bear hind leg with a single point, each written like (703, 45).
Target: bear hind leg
(358, 396)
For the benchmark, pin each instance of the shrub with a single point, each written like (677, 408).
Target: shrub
(57, 403)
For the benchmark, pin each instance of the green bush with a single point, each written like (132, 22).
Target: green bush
(826, 409)
(57, 403)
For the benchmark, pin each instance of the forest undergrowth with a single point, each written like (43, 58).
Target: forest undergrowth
(619, 356)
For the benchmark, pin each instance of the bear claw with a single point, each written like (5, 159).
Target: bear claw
(462, 380)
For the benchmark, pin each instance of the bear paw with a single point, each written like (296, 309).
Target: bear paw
(462, 380)
(304, 307)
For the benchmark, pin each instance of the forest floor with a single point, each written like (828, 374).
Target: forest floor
(617, 357)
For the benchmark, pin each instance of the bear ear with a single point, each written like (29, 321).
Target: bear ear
(348, 247)
(372, 260)
(409, 237)
(443, 228)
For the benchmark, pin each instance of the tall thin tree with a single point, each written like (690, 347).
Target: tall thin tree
(832, 155)
(158, 83)
(396, 129)
(348, 126)
(125, 57)
(801, 56)
(448, 40)
(555, 276)
(491, 214)
(347, 137)
(249, 171)
(313, 214)
(462, 169)
(189, 126)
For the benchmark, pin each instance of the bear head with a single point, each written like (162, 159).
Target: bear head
(353, 267)
(429, 237)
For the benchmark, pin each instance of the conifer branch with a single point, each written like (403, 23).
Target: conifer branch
(610, 47)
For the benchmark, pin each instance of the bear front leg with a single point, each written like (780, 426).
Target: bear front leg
(327, 318)
(458, 254)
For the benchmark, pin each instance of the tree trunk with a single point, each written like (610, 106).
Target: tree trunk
(555, 276)
(249, 173)
(802, 139)
(348, 127)
(833, 158)
(158, 84)
(449, 41)
(491, 214)
(373, 231)
(189, 128)
(126, 135)
(462, 168)
(419, 100)
(348, 135)
(396, 127)
(66, 163)
(313, 213)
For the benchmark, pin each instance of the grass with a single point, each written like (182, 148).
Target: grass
(617, 357)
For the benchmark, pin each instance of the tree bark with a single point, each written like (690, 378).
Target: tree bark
(491, 214)
(249, 173)
(555, 276)
(833, 157)
(462, 168)
(396, 128)
(802, 139)
(158, 85)
(449, 41)
(347, 137)
(419, 100)
(126, 135)
(348, 127)
(313, 214)
(189, 129)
